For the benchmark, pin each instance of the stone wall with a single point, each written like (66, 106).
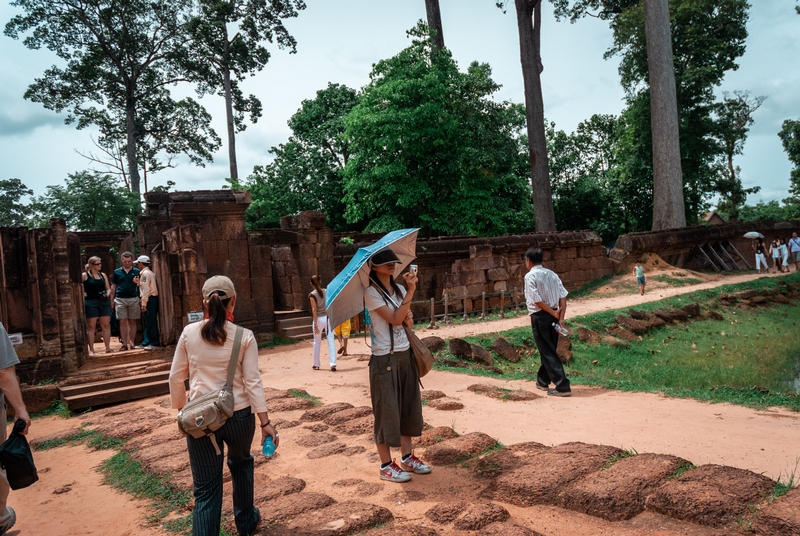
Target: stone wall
(678, 246)
(41, 296)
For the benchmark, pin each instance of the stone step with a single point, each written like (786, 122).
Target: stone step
(103, 385)
(102, 395)
(93, 368)
(295, 322)
(300, 332)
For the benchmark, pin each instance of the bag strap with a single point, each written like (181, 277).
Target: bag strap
(237, 342)
(391, 328)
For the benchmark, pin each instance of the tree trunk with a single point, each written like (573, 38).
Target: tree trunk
(435, 21)
(229, 120)
(668, 206)
(130, 129)
(529, 22)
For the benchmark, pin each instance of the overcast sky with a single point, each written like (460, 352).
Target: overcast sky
(339, 40)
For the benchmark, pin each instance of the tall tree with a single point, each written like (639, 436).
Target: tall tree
(13, 212)
(435, 22)
(734, 117)
(529, 25)
(430, 148)
(668, 208)
(227, 45)
(790, 138)
(121, 57)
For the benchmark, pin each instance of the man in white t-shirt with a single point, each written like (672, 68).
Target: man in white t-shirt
(794, 250)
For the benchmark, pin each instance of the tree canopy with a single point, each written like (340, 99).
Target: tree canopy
(13, 212)
(790, 137)
(431, 149)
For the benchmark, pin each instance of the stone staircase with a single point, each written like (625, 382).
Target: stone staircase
(294, 324)
(119, 377)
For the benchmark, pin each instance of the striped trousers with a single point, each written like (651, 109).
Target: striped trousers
(237, 434)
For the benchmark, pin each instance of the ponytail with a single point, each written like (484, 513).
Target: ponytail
(213, 331)
(316, 285)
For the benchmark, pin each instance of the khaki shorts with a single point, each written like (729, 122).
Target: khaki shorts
(396, 402)
(128, 308)
(796, 255)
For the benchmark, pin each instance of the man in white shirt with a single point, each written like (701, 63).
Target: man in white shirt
(546, 299)
(794, 250)
(148, 293)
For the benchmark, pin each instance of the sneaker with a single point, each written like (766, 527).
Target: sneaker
(542, 387)
(13, 519)
(393, 473)
(554, 392)
(412, 464)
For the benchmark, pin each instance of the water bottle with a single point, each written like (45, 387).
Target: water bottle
(561, 330)
(269, 447)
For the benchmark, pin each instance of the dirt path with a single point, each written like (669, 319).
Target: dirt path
(762, 441)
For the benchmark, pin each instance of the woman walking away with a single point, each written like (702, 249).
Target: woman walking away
(758, 247)
(784, 256)
(203, 355)
(319, 315)
(393, 374)
(775, 251)
(96, 291)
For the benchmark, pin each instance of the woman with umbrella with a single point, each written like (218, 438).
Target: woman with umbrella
(393, 375)
(761, 259)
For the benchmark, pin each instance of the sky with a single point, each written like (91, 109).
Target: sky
(340, 40)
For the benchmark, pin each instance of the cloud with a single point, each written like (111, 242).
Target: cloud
(22, 121)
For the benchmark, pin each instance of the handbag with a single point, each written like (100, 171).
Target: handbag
(207, 413)
(422, 354)
(17, 459)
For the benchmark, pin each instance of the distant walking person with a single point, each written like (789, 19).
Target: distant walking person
(784, 256)
(319, 316)
(202, 356)
(638, 270)
(342, 333)
(148, 291)
(794, 251)
(761, 259)
(125, 300)
(546, 299)
(97, 306)
(775, 252)
(9, 391)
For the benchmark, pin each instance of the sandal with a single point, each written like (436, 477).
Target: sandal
(124, 348)
(333, 368)
(315, 367)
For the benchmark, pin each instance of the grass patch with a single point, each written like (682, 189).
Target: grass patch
(744, 359)
(682, 468)
(92, 439)
(676, 281)
(614, 458)
(590, 287)
(277, 341)
(124, 473)
(492, 448)
(783, 487)
(56, 408)
(299, 393)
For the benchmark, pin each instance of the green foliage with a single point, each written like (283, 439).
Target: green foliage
(277, 341)
(124, 473)
(765, 211)
(56, 408)
(307, 171)
(790, 138)
(676, 281)
(430, 148)
(120, 57)
(89, 201)
(13, 212)
(300, 393)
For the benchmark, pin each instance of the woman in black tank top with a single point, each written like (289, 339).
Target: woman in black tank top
(95, 294)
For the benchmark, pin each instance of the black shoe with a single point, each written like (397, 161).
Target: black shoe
(542, 387)
(255, 525)
(554, 392)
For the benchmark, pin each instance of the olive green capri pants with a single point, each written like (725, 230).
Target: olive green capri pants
(396, 402)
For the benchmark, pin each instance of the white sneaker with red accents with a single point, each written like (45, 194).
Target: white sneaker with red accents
(393, 473)
(412, 464)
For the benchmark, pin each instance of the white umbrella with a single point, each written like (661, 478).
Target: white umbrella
(753, 234)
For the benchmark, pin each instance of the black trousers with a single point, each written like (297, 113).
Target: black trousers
(150, 320)
(546, 339)
(237, 433)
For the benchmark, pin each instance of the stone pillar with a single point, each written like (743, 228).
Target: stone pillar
(66, 308)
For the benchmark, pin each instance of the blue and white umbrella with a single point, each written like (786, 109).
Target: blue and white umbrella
(345, 294)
